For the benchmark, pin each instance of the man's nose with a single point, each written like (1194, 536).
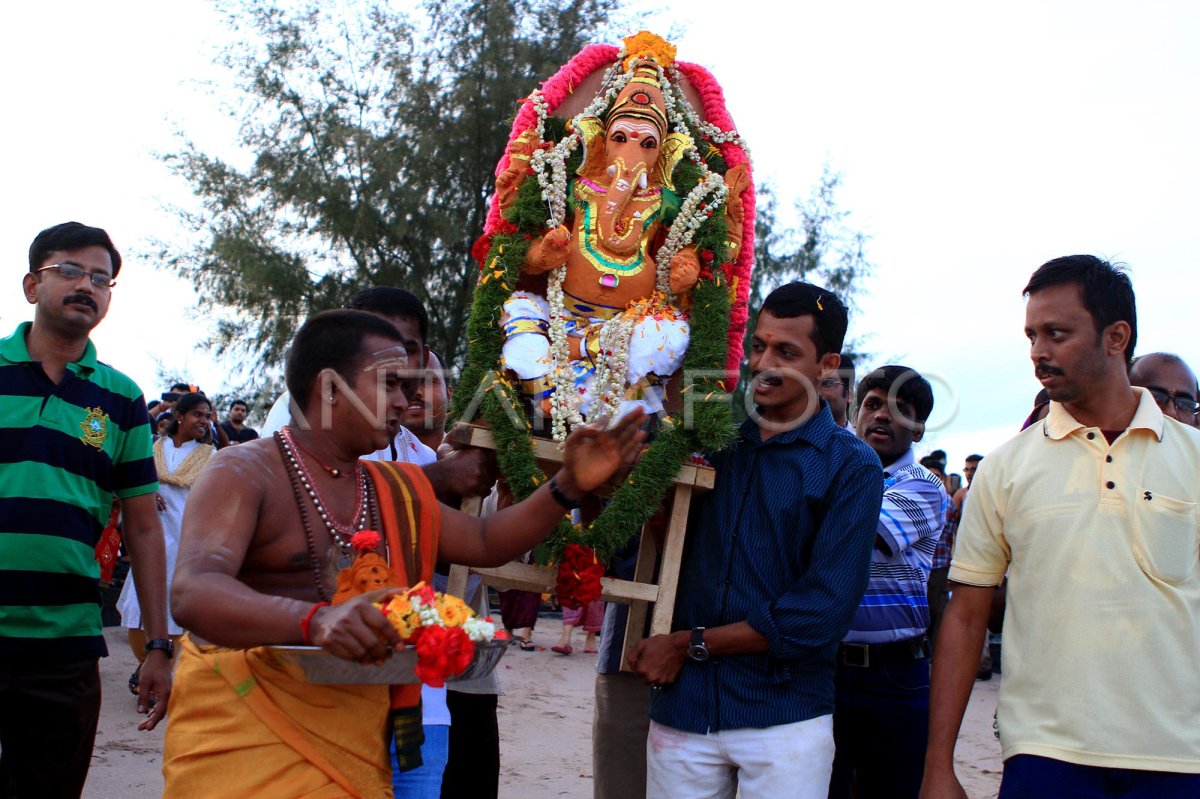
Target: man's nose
(1039, 351)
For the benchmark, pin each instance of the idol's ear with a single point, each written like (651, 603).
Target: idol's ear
(674, 145)
(591, 130)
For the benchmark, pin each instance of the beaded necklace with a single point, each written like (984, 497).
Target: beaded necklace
(339, 534)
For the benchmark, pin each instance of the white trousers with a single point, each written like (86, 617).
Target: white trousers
(790, 760)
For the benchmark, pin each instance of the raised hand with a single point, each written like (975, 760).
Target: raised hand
(592, 454)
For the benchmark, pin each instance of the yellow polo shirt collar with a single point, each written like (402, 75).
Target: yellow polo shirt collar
(1059, 423)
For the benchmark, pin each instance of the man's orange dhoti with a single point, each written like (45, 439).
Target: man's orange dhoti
(244, 723)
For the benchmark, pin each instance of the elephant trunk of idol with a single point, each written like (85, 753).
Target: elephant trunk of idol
(621, 234)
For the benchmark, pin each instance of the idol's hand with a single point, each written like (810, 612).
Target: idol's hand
(548, 252)
(685, 270)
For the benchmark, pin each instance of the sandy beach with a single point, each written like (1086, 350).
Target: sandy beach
(545, 728)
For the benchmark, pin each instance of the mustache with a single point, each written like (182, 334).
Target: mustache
(1041, 370)
(82, 299)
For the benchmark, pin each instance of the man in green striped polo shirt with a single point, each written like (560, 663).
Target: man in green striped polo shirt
(74, 433)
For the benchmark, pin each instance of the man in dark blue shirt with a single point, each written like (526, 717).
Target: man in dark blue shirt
(773, 570)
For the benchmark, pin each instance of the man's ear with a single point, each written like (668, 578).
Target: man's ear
(918, 432)
(327, 384)
(29, 284)
(1116, 338)
(830, 361)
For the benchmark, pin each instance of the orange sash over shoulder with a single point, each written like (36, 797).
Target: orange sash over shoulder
(410, 516)
(411, 519)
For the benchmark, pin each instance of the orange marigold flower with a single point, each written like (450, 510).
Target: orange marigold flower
(645, 44)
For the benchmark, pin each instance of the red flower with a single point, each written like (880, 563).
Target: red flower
(442, 652)
(479, 249)
(707, 256)
(426, 593)
(579, 574)
(365, 541)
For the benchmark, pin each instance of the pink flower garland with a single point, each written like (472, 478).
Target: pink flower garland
(555, 90)
(599, 56)
(716, 113)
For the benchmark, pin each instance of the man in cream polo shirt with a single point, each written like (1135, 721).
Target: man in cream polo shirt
(1093, 515)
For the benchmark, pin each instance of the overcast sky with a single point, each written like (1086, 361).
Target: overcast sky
(976, 142)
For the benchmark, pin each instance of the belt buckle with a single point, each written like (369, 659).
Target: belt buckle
(856, 655)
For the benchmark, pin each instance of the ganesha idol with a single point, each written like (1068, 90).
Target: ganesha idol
(611, 325)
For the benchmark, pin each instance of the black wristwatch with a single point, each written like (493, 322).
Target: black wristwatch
(165, 645)
(697, 650)
(560, 497)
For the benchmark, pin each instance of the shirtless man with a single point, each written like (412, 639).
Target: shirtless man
(246, 575)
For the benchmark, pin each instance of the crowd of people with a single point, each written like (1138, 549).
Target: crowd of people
(834, 598)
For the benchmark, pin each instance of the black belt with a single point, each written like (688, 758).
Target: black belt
(864, 656)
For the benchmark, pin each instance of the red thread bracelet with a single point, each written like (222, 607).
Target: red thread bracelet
(307, 620)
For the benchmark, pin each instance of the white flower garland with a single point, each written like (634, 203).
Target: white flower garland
(692, 215)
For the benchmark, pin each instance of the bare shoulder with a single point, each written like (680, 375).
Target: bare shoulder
(245, 467)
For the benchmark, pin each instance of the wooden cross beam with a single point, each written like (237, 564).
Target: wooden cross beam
(638, 592)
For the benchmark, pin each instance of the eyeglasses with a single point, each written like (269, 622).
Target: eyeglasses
(832, 382)
(1183, 403)
(71, 271)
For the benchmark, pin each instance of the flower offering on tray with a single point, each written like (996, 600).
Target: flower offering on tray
(442, 628)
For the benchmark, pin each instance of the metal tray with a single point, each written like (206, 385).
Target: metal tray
(324, 668)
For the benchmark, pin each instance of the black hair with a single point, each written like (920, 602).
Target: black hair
(70, 236)
(1105, 288)
(186, 403)
(932, 463)
(804, 299)
(391, 301)
(906, 383)
(846, 367)
(974, 458)
(239, 402)
(330, 340)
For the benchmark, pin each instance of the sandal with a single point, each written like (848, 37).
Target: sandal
(562, 649)
(527, 646)
(133, 680)
(592, 651)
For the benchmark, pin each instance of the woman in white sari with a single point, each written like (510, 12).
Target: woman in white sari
(179, 458)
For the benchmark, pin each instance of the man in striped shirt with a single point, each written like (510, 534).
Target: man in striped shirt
(75, 432)
(882, 716)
